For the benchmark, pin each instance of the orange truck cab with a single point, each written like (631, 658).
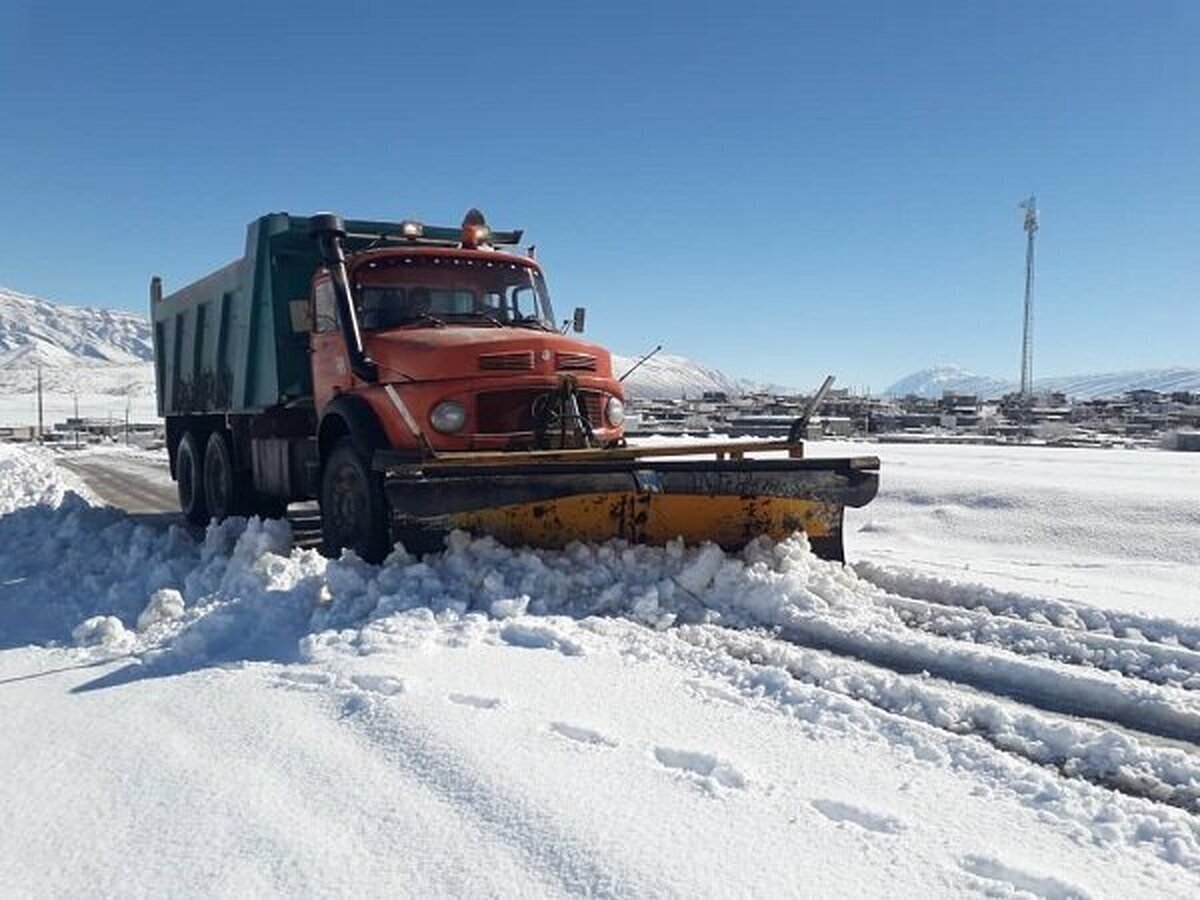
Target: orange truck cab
(467, 353)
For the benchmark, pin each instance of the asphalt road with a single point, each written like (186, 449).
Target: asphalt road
(144, 488)
(136, 486)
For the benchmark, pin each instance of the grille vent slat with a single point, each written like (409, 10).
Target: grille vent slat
(575, 362)
(507, 362)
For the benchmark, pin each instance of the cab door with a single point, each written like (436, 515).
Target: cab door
(330, 368)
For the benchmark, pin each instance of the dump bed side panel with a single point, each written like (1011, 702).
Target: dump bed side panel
(233, 341)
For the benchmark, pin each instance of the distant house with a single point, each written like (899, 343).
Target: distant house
(1183, 439)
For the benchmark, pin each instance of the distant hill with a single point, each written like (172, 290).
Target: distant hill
(1108, 384)
(35, 331)
(934, 381)
(86, 351)
(666, 375)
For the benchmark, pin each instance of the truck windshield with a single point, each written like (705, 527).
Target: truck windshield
(400, 290)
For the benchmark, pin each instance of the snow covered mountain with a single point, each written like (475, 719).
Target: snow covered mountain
(96, 361)
(1108, 384)
(35, 331)
(932, 382)
(667, 375)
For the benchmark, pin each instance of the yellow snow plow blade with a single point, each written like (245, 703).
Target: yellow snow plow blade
(551, 499)
(649, 518)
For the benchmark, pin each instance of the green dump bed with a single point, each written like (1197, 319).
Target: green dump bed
(236, 340)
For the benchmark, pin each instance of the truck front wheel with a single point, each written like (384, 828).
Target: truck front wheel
(189, 479)
(353, 506)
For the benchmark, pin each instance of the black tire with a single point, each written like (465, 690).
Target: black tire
(354, 512)
(224, 492)
(189, 480)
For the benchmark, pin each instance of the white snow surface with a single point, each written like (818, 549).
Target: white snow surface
(961, 712)
(1112, 528)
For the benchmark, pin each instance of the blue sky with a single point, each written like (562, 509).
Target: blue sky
(776, 189)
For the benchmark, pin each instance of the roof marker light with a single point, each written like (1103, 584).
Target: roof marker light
(475, 231)
(411, 230)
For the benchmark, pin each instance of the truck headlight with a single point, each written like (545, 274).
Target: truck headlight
(614, 412)
(448, 417)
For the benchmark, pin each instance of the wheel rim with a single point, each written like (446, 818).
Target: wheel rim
(187, 480)
(216, 479)
(348, 510)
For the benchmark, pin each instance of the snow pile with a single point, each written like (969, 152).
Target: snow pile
(28, 477)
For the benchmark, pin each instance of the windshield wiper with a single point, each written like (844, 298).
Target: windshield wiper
(532, 323)
(479, 314)
(425, 317)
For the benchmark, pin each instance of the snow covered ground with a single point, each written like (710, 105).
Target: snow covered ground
(999, 697)
(102, 391)
(1113, 528)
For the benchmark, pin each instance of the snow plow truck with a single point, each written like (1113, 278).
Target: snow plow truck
(413, 380)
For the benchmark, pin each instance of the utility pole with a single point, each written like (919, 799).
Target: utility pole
(76, 394)
(40, 432)
(1031, 227)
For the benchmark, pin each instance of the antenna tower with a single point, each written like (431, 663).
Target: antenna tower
(1031, 227)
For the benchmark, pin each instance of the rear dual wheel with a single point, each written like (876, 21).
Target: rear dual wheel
(210, 488)
(189, 479)
(224, 491)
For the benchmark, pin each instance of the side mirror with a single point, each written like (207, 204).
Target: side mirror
(578, 320)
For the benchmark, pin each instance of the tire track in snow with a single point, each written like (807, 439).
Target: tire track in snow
(1074, 748)
(1157, 663)
(1071, 690)
(1042, 610)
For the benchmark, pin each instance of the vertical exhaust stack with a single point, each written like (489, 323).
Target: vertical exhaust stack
(329, 231)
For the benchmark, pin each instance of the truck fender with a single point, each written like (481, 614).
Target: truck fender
(350, 415)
